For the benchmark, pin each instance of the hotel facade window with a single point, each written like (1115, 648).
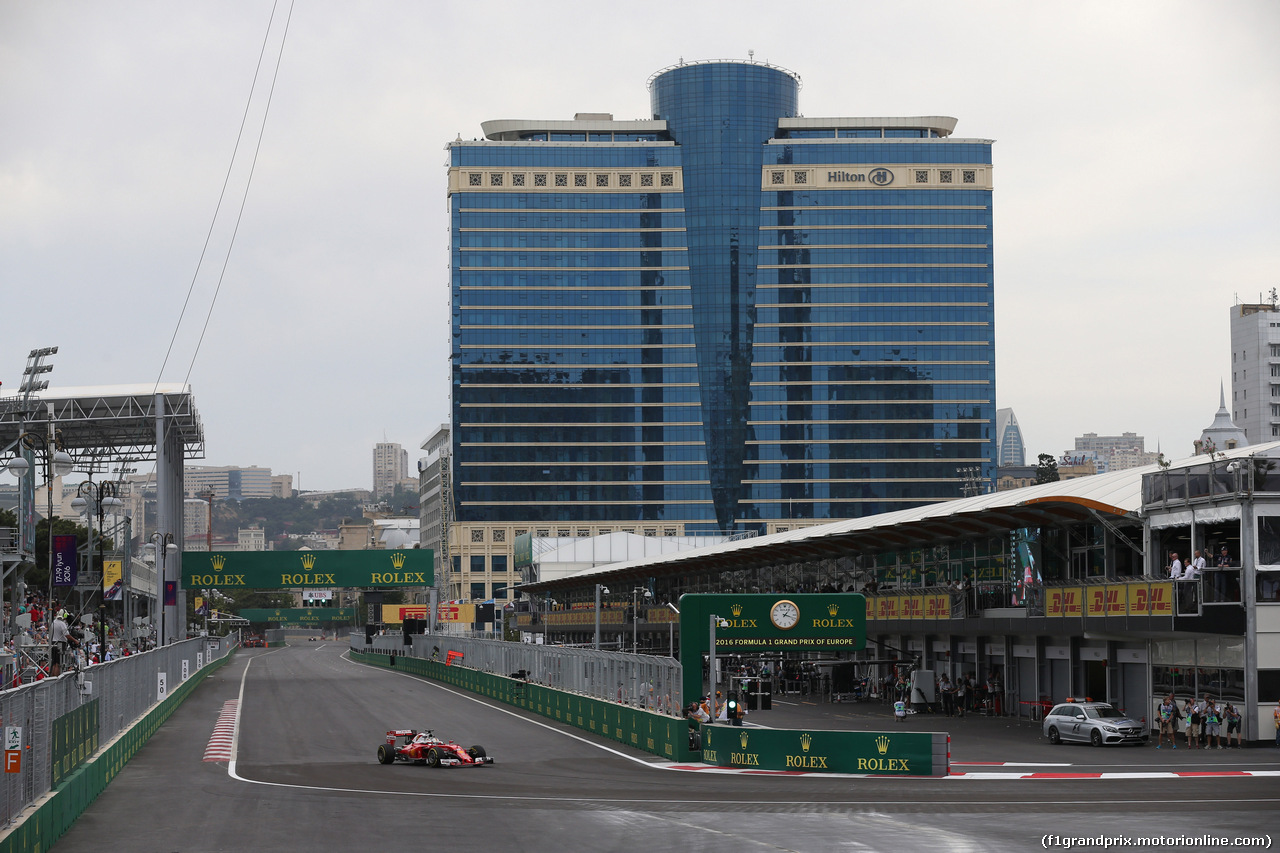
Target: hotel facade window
(793, 321)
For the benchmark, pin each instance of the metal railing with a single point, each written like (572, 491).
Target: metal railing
(125, 690)
(641, 681)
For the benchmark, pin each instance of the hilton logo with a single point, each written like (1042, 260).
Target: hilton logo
(881, 177)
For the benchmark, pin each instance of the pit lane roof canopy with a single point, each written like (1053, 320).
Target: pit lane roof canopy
(115, 421)
(1114, 498)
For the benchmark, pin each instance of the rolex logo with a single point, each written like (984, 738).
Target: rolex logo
(882, 744)
(833, 609)
(805, 740)
(397, 560)
(308, 560)
(742, 738)
(736, 610)
(218, 562)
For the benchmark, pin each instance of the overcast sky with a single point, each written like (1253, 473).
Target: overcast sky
(1136, 199)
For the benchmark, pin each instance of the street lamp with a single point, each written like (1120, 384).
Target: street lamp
(164, 547)
(57, 462)
(635, 615)
(672, 625)
(102, 498)
(716, 621)
(600, 588)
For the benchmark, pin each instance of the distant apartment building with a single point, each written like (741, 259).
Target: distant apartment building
(390, 467)
(251, 539)
(1111, 452)
(1010, 448)
(282, 486)
(228, 482)
(1255, 370)
(433, 474)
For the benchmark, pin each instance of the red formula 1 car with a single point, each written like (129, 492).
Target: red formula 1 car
(422, 747)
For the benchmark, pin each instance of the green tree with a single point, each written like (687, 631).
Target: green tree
(1046, 469)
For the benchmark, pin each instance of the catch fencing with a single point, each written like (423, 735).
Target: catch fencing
(124, 690)
(641, 681)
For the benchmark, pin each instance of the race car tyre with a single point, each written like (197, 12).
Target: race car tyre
(476, 751)
(433, 757)
(1054, 737)
(386, 754)
(1096, 738)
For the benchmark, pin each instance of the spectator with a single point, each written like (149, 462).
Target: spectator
(1232, 716)
(995, 692)
(1168, 722)
(1224, 558)
(1175, 567)
(1191, 711)
(961, 695)
(1212, 723)
(1276, 714)
(59, 642)
(948, 691)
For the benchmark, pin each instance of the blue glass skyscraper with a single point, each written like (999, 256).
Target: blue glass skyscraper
(725, 316)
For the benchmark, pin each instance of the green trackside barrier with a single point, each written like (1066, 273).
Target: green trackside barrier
(666, 737)
(47, 822)
(869, 753)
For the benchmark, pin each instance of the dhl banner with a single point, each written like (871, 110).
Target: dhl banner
(1154, 599)
(888, 606)
(394, 614)
(1064, 601)
(456, 613)
(908, 607)
(1108, 600)
(584, 618)
(661, 615)
(937, 607)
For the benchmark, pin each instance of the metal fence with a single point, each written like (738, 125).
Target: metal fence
(641, 681)
(125, 689)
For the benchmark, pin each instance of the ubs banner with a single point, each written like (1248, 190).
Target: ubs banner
(873, 753)
(315, 569)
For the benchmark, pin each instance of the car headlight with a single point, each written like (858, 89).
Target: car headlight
(1111, 728)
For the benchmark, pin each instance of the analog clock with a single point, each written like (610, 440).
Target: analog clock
(784, 614)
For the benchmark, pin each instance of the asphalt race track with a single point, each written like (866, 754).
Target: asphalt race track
(306, 778)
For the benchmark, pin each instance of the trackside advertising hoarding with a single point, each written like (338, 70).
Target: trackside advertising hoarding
(314, 569)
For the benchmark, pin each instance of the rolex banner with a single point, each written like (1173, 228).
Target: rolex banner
(889, 753)
(306, 569)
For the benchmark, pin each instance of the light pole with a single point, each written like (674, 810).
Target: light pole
(101, 498)
(635, 615)
(672, 625)
(711, 659)
(600, 588)
(164, 547)
(57, 462)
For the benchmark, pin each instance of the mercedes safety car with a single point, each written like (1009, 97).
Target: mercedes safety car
(423, 747)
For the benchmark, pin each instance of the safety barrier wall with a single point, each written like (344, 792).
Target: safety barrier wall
(129, 712)
(658, 734)
(868, 753)
(642, 681)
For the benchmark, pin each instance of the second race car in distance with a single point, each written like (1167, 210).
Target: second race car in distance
(423, 747)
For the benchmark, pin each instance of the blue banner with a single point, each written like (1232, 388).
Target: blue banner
(64, 560)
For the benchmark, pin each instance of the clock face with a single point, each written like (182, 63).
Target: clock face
(784, 614)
